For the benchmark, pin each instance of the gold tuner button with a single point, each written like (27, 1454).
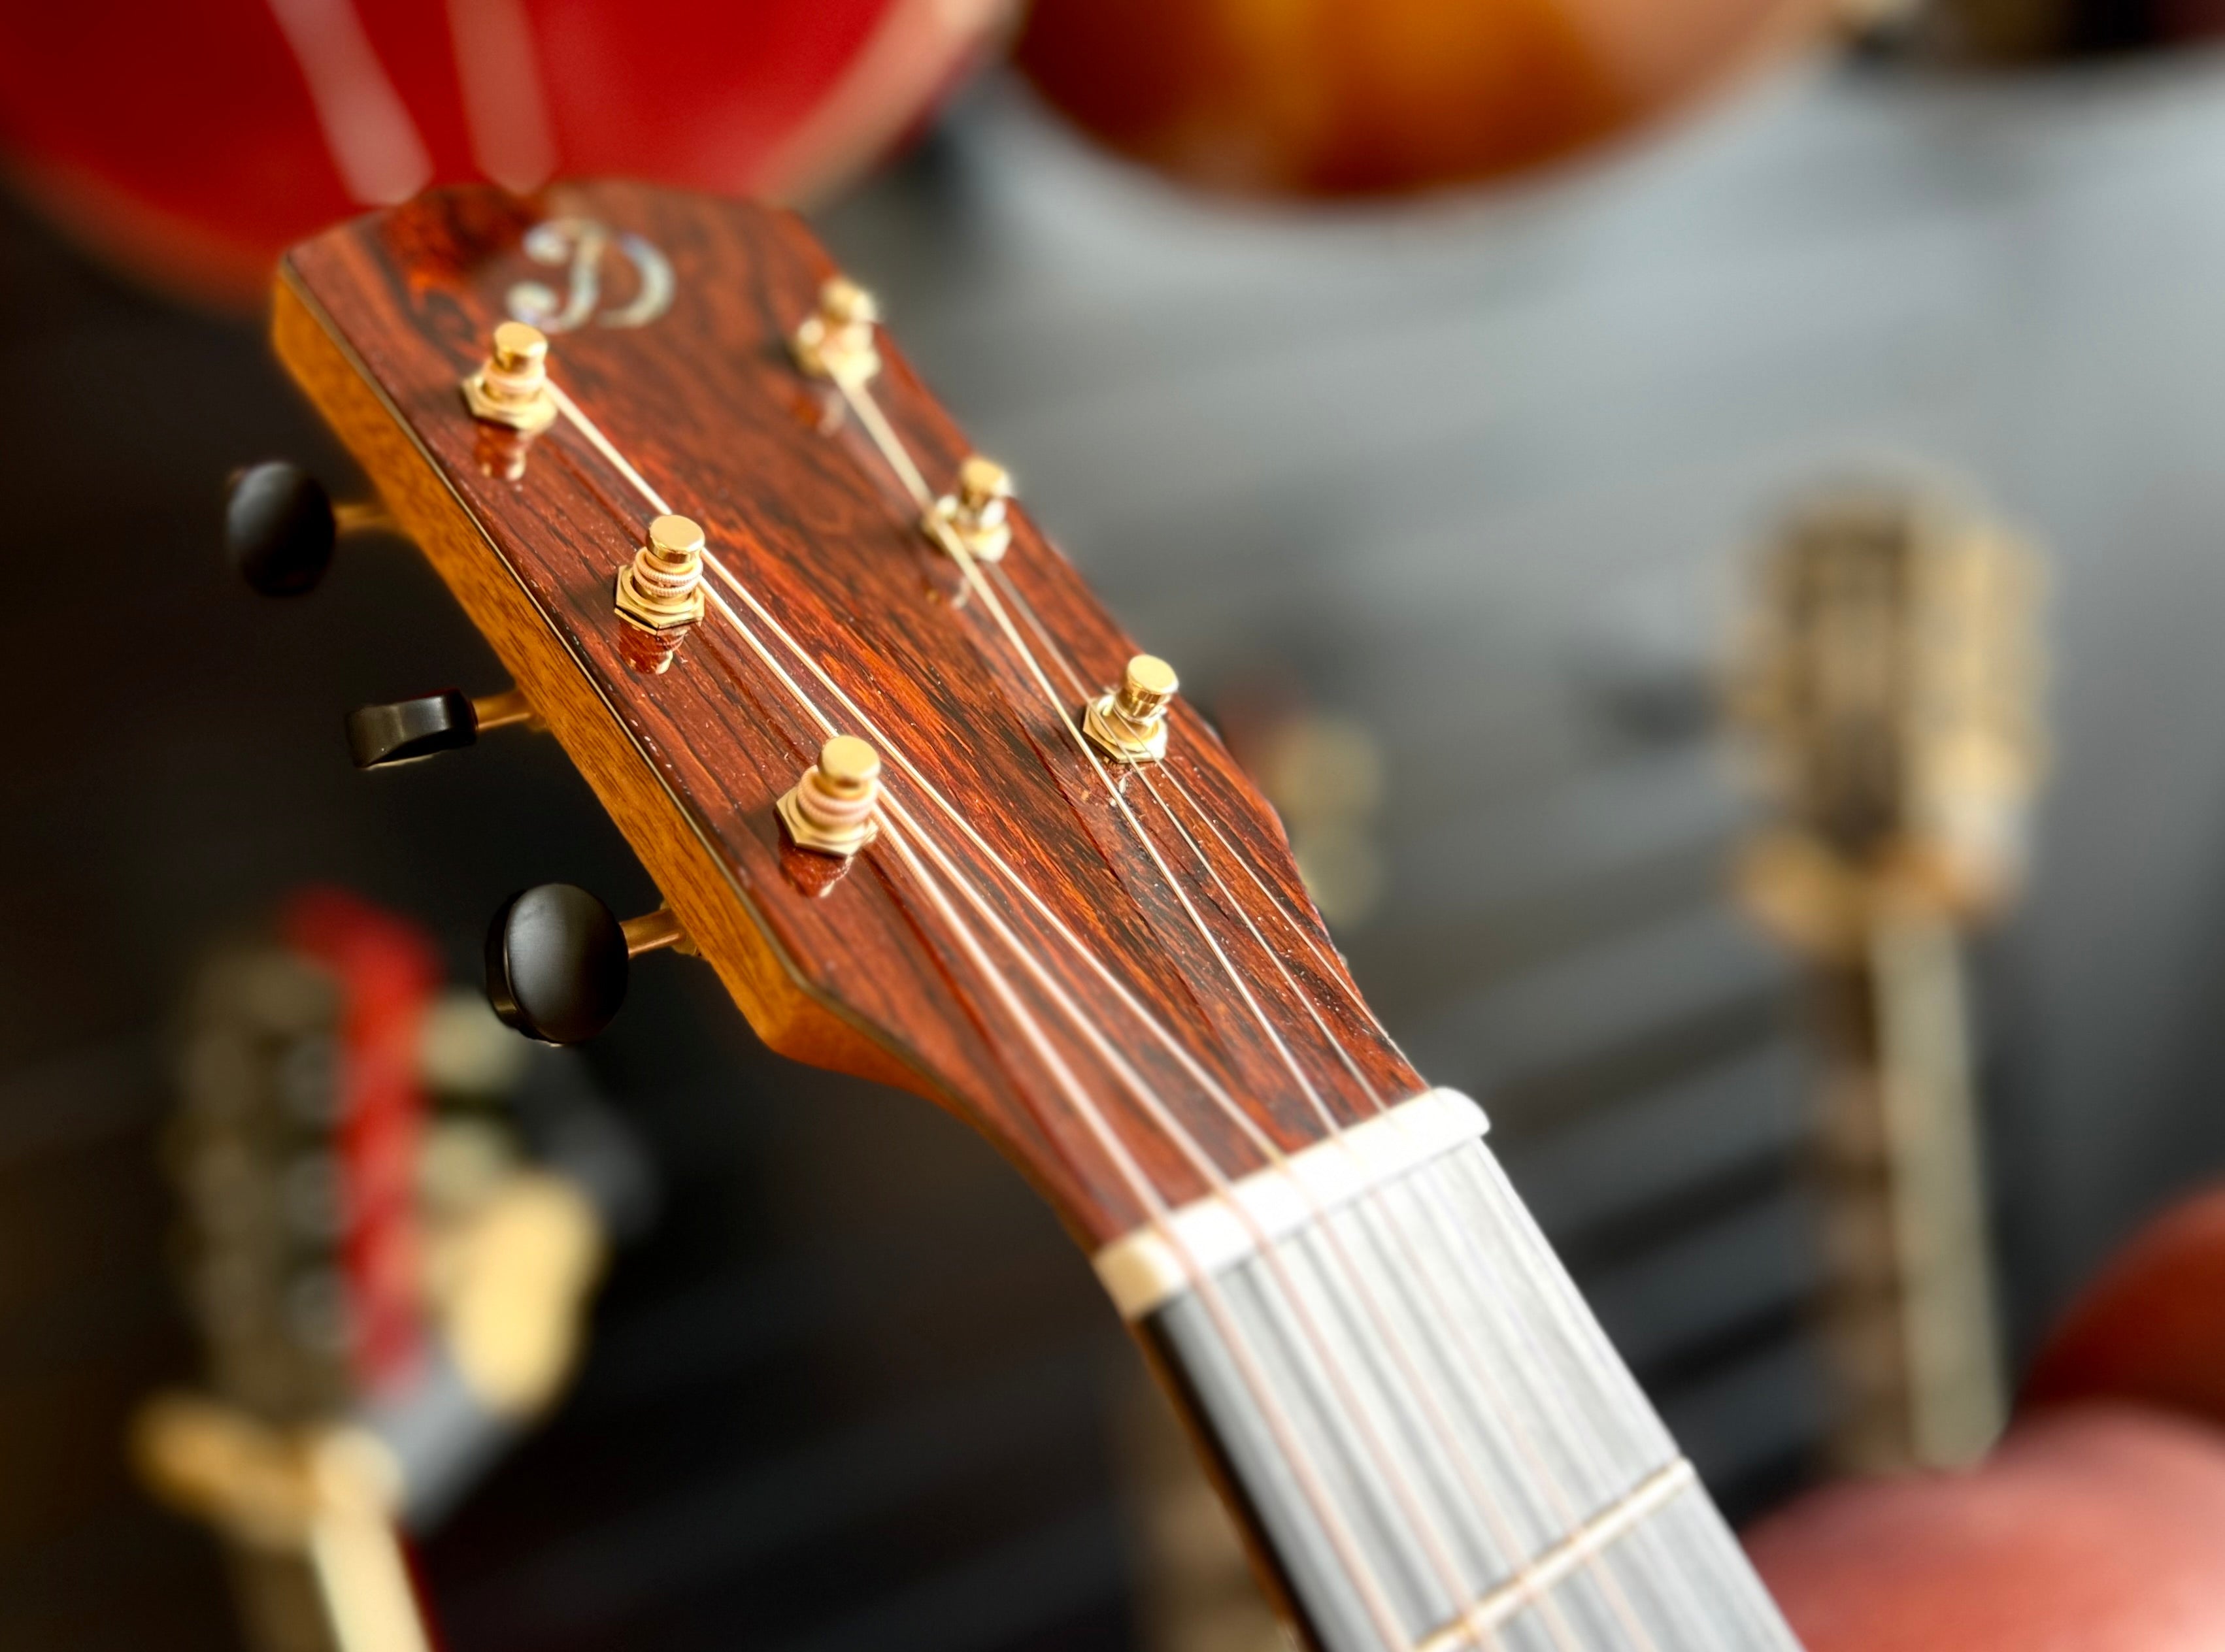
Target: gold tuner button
(837, 341)
(511, 386)
(660, 593)
(1129, 724)
(830, 809)
(977, 516)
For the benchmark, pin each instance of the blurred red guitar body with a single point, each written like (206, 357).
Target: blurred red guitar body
(194, 144)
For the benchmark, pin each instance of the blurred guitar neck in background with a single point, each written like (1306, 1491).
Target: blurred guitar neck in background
(1887, 681)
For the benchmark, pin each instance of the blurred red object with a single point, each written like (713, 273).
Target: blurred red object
(1331, 98)
(2098, 1525)
(2152, 1328)
(194, 143)
(388, 971)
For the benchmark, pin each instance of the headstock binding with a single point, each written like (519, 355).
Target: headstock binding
(865, 971)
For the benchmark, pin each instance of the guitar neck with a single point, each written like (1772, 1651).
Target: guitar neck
(1428, 1436)
(1910, 1316)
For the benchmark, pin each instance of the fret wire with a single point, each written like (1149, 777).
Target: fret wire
(1325, 1511)
(1504, 1213)
(1584, 1543)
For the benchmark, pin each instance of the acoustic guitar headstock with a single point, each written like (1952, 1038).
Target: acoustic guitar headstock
(902, 782)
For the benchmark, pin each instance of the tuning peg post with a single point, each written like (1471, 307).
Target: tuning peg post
(406, 730)
(558, 960)
(281, 527)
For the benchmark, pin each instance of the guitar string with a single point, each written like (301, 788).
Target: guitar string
(1581, 1438)
(650, 493)
(1255, 1378)
(866, 407)
(871, 416)
(1156, 1211)
(1203, 1163)
(1475, 1483)
(1486, 1502)
(1441, 1309)
(1425, 1521)
(1550, 1398)
(1449, 1228)
(884, 437)
(1332, 1522)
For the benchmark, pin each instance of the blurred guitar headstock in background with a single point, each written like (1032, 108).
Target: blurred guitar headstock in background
(1889, 679)
(392, 1216)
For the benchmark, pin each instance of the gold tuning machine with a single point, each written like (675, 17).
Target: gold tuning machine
(660, 593)
(1129, 724)
(978, 515)
(511, 386)
(830, 810)
(836, 341)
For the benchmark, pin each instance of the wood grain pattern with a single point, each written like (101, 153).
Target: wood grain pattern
(1148, 965)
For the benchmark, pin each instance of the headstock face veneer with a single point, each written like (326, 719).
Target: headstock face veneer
(1090, 960)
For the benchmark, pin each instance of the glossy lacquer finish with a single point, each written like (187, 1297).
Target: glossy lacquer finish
(1114, 973)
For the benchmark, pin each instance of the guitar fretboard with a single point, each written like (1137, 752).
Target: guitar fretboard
(1440, 1447)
